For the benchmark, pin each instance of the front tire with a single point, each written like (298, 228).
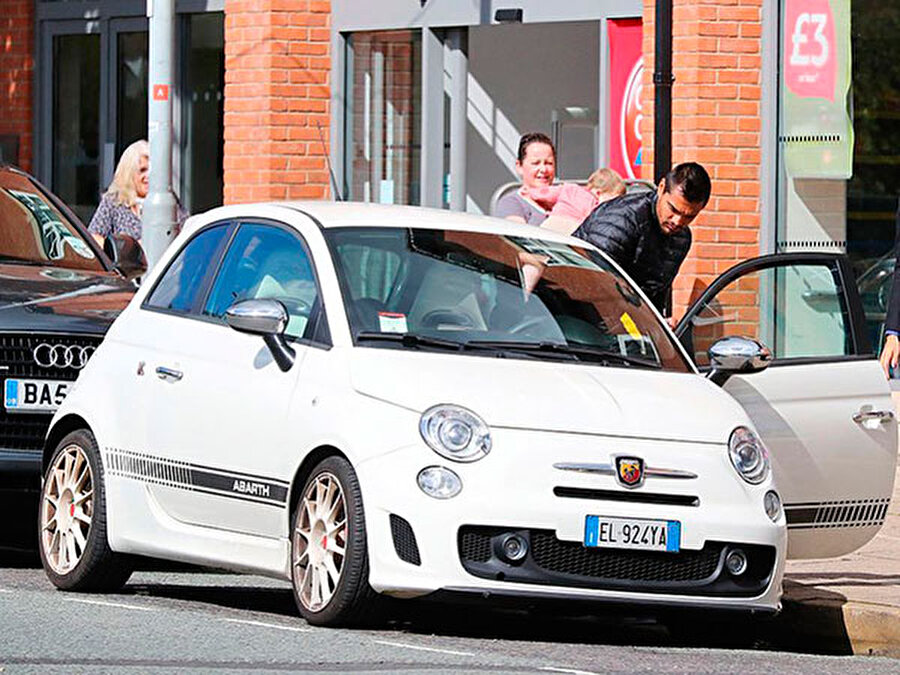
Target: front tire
(329, 559)
(72, 542)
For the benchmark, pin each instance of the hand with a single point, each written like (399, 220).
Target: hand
(890, 354)
(672, 321)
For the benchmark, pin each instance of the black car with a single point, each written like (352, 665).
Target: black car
(59, 293)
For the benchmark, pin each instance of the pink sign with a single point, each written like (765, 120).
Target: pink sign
(810, 50)
(626, 70)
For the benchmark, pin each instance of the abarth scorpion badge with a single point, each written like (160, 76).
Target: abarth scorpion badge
(630, 471)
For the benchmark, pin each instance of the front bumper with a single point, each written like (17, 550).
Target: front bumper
(419, 545)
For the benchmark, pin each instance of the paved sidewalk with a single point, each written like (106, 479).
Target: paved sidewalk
(852, 603)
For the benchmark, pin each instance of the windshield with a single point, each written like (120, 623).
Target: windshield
(494, 295)
(34, 232)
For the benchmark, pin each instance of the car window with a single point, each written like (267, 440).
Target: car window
(34, 231)
(178, 289)
(264, 261)
(797, 311)
(478, 291)
(874, 286)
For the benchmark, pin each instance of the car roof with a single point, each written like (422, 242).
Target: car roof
(330, 214)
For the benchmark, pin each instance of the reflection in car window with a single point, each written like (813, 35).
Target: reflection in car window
(177, 289)
(797, 311)
(476, 291)
(266, 262)
(35, 232)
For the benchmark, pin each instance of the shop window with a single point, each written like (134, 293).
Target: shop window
(839, 136)
(383, 116)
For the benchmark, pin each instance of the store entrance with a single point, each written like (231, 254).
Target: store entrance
(94, 81)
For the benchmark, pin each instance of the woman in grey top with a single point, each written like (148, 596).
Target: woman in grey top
(120, 207)
(536, 165)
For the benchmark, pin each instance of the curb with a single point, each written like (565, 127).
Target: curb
(827, 622)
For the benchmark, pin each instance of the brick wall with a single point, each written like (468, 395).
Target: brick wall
(16, 74)
(715, 121)
(277, 67)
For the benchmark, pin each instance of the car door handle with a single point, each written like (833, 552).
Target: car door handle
(877, 416)
(168, 373)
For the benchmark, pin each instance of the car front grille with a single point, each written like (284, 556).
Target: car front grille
(550, 561)
(571, 557)
(17, 354)
(25, 431)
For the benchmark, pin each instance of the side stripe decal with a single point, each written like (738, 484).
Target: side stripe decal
(845, 513)
(184, 475)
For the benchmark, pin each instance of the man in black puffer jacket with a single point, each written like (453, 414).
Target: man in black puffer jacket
(647, 233)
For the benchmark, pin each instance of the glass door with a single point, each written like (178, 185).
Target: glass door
(71, 113)
(94, 104)
(128, 85)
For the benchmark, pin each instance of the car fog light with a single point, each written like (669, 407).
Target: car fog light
(736, 562)
(772, 504)
(438, 482)
(513, 548)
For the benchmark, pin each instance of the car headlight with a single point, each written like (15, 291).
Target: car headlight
(455, 433)
(748, 455)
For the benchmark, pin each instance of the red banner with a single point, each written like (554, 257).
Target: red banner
(810, 49)
(626, 70)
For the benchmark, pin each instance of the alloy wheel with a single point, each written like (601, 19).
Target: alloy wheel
(320, 542)
(67, 507)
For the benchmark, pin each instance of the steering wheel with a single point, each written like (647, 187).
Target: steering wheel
(437, 317)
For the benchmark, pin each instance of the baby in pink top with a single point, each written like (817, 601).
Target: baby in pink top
(569, 204)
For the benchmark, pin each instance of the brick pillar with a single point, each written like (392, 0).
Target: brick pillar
(715, 121)
(277, 66)
(16, 73)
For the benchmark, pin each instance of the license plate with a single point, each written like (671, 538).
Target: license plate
(34, 395)
(633, 533)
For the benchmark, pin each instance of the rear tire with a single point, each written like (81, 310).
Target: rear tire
(72, 539)
(329, 559)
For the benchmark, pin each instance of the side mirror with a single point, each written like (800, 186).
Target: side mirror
(267, 318)
(127, 255)
(736, 354)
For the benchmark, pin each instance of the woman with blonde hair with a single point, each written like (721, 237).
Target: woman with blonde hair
(120, 207)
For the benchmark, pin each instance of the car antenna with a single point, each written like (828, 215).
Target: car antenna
(334, 185)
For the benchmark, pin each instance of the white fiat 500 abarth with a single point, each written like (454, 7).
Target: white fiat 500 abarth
(372, 400)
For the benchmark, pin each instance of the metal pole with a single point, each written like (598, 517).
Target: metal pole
(431, 170)
(458, 66)
(662, 79)
(159, 215)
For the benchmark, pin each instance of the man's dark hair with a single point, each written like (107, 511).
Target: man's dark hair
(692, 180)
(533, 137)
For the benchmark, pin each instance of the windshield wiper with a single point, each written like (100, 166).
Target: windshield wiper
(409, 340)
(415, 341)
(581, 352)
(22, 261)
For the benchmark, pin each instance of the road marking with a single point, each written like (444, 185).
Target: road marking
(572, 671)
(422, 649)
(5, 590)
(270, 625)
(110, 604)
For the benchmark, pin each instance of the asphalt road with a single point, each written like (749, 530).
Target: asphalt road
(183, 620)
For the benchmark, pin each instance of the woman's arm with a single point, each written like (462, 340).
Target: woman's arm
(101, 223)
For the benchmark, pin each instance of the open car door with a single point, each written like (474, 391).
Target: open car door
(823, 407)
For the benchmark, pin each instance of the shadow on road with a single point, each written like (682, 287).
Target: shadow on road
(527, 622)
